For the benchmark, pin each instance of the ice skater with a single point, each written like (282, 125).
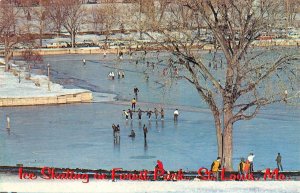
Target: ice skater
(7, 122)
(136, 90)
(278, 161)
(125, 113)
(130, 113)
(133, 103)
(132, 134)
(162, 114)
(149, 113)
(215, 167)
(111, 75)
(140, 114)
(176, 113)
(156, 113)
(145, 129)
(241, 166)
(250, 159)
(118, 134)
(114, 127)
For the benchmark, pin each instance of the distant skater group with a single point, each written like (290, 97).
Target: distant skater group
(120, 74)
(116, 133)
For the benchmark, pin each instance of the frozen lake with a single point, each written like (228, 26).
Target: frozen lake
(80, 135)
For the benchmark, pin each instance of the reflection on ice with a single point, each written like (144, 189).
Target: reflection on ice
(103, 97)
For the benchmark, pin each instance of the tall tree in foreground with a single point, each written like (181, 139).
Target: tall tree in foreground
(251, 77)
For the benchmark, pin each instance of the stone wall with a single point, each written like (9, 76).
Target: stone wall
(62, 99)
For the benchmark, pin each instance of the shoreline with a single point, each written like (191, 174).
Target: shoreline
(98, 50)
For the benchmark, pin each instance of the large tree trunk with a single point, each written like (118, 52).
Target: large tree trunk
(218, 133)
(227, 140)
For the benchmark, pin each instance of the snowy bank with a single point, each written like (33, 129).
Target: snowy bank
(2, 61)
(13, 184)
(36, 90)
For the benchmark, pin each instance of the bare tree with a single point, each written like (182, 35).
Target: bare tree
(40, 20)
(246, 82)
(8, 35)
(110, 18)
(75, 16)
(292, 7)
(69, 14)
(34, 19)
(96, 18)
(56, 14)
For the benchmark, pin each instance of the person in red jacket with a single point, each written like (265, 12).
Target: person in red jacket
(160, 168)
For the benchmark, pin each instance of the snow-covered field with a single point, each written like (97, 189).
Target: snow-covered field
(12, 184)
(11, 88)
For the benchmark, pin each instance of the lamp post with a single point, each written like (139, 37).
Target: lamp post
(48, 73)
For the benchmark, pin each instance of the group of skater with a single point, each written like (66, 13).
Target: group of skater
(245, 167)
(116, 133)
(156, 112)
(120, 74)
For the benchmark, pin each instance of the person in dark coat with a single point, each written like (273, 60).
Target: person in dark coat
(149, 113)
(162, 114)
(132, 134)
(145, 129)
(241, 166)
(140, 114)
(130, 113)
(278, 161)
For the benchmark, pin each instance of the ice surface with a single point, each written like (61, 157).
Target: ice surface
(80, 135)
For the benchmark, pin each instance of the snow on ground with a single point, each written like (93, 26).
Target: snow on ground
(13, 184)
(2, 61)
(37, 86)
